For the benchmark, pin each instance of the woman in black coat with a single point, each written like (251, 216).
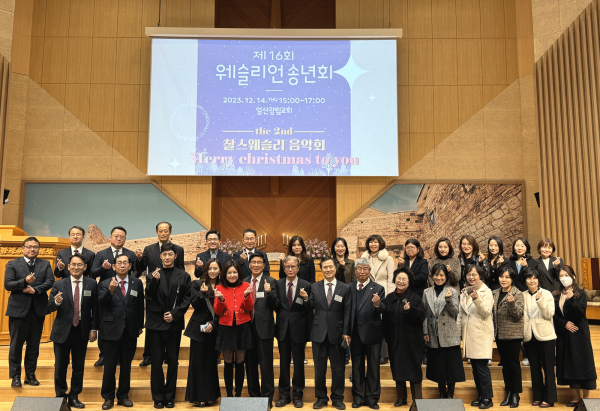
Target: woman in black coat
(203, 375)
(403, 327)
(574, 354)
(307, 265)
(414, 260)
(548, 266)
(520, 259)
(497, 262)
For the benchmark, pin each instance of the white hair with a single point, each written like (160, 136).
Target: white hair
(363, 261)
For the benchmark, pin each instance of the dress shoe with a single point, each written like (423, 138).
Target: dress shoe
(125, 402)
(146, 362)
(384, 360)
(373, 405)
(170, 404)
(108, 404)
(357, 404)
(31, 380)
(159, 405)
(16, 382)
(347, 361)
(298, 403)
(572, 403)
(75, 403)
(546, 404)
(218, 361)
(282, 402)
(400, 402)
(514, 401)
(476, 402)
(506, 400)
(339, 405)
(100, 362)
(350, 379)
(486, 403)
(536, 403)
(319, 404)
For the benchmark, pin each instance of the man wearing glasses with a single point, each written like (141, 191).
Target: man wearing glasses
(28, 279)
(213, 242)
(76, 236)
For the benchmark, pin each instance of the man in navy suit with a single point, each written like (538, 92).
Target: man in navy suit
(241, 257)
(75, 299)
(76, 236)
(28, 279)
(213, 241)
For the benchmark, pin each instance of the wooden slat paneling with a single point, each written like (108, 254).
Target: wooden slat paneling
(567, 87)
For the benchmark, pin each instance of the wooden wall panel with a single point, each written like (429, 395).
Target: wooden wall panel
(567, 88)
(309, 14)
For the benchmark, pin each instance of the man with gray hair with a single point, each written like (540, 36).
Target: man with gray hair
(367, 334)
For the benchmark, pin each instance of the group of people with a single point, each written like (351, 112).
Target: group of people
(377, 309)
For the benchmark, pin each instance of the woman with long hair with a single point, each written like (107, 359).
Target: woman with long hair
(297, 248)
(444, 254)
(520, 259)
(470, 254)
(497, 261)
(344, 266)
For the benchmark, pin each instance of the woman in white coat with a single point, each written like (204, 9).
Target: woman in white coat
(477, 331)
(382, 272)
(540, 339)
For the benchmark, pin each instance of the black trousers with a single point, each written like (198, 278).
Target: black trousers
(541, 357)
(120, 351)
(482, 377)
(146, 353)
(337, 359)
(164, 345)
(365, 387)
(287, 349)
(261, 355)
(76, 345)
(24, 330)
(510, 351)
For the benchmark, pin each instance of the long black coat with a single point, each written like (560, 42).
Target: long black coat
(403, 331)
(420, 270)
(202, 315)
(531, 264)
(548, 278)
(574, 353)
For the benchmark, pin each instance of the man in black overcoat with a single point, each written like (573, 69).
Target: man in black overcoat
(242, 257)
(213, 241)
(76, 236)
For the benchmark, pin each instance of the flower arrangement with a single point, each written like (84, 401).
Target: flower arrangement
(317, 249)
(230, 247)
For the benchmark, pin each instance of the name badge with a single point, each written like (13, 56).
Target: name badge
(338, 298)
(87, 293)
(299, 300)
(260, 294)
(134, 293)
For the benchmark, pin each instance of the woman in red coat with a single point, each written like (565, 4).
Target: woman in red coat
(234, 305)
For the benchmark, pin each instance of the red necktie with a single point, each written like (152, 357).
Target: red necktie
(253, 297)
(76, 305)
(123, 288)
(359, 287)
(290, 295)
(76, 251)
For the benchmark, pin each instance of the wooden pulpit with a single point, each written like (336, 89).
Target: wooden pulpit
(11, 247)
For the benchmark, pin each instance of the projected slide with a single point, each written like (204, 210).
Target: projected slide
(273, 107)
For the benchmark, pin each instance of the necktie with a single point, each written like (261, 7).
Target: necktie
(76, 251)
(329, 294)
(359, 287)
(123, 287)
(290, 295)
(116, 254)
(253, 297)
(76, 305)
(31, 265)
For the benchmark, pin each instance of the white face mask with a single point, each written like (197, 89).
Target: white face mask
(566, 281)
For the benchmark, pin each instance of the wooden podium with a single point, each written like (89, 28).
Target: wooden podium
(11, 243)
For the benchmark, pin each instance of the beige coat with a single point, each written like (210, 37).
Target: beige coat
(476, 324)
(538, 316)
(382, 269)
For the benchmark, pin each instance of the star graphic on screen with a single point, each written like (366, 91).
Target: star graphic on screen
(371, 97)
(351, 71)
(175, 163)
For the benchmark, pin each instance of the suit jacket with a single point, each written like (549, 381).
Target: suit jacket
(520, 283)
(121, 312)
(508, 317)
(246, 272)
(333, 320)
(440, 317)
(162, 298)
(264, 307)
(538, 316)
(368, 321)
(296, 316)
(203, 314)
(345, 273)
(420, 270)
(107, 254)
(222, 256)
(151, 258)
(64, 318)
(65, 254)
(306, 271)
(548, 278)
(15, 281)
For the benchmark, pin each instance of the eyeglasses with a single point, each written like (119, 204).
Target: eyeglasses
(122, 263)
(402, 281)
(289, 267)
(410, 247)
(32, 247)
(118, 237)
(472, 275)
(366, 268)
(76, 265)
(256, 263)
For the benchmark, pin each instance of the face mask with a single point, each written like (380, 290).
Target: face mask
(566, 281)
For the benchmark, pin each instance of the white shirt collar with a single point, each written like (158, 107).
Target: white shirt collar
(113, 249)
(295, 282)
(27, 260)
(258, 279)
(119, 280)
(364, 284)
(73, 280)
(334, 282)
(80, 250)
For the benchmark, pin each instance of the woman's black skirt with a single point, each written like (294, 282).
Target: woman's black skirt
(203, 373)
(235, 337)
(445, 364)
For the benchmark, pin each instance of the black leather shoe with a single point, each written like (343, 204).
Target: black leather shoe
(282, 402)
(476, 402)
(357, 404)
(108, 404)
(298, 403)
(31, 380)
(100, 362)
(170, 404)
(159, 405)
(75, 403)
(514, 401)
(373, 405)
(16, 382)
(146, 362)
(486, 403)
(319, 404)
(506, 400)
(350, 379)
(400, 402)
(125, 402)
(569, 404)
(339, 405)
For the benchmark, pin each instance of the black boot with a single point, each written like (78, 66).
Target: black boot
(450, 392)
(514, 402)
(506, 400)
(239, 378)
(228, 376)
(442, 390)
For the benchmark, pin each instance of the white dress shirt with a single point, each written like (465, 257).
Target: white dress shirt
(113, 249)
(73, 285)
(118, 280)
(363, 284)
(294, 285)
(79, 250)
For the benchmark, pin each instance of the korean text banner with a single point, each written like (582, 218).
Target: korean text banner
(273, 107)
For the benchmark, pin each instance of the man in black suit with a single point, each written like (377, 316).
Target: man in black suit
(150, 260)
(103, 268)
(331, 301)
(121, 299)
(28, 279)
(75, 299)
(241, 257)
(264, 291)
(76, 236)
(213, 241)
(367, 335)
(291, 330)
(168, 296)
